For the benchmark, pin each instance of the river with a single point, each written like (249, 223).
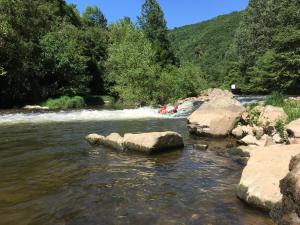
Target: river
(50, 175)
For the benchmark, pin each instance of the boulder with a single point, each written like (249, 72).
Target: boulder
(271, 114)
(217, 117)
(152, 142)
(238, 132)
(259, 184)
(293, 128)
(288, 211)
(208, 95)
(144, 142)
(242, 131)
(251, 140)
(217, 92)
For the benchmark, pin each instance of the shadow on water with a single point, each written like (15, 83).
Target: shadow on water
(50, 175)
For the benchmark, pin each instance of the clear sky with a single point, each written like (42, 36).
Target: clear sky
(177, 12)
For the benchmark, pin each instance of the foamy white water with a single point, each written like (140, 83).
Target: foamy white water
(80, 115)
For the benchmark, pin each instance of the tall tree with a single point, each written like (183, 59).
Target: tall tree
(153, 24)
(93, 16)
(255, 33)
(131, 68)
(22, 25)
(268, 45)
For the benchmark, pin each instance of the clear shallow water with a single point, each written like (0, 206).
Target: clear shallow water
(50, 175)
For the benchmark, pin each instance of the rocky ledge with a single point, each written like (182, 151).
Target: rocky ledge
(153, 142)
(259, 184)
(287, 212)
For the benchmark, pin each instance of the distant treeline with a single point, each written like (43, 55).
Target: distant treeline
(257, 49)
(47, 50)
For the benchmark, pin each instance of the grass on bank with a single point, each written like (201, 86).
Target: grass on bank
(66, 102)
(76, 102)
(291, 107)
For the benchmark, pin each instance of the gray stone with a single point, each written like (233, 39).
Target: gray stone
(259, 184)
(217, 117)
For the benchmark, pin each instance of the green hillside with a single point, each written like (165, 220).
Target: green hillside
(207, 43)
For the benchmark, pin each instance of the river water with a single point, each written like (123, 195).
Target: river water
(50, 175)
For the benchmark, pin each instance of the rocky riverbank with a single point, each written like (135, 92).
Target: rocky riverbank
(267, 144)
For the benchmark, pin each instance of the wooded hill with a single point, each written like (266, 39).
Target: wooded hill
(207, 43)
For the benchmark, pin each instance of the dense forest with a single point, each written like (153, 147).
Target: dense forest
(48, 49)
(208, 44)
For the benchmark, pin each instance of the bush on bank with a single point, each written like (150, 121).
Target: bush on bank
(291, 108)
(66, 102)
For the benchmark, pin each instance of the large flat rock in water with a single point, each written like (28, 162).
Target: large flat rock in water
(217, 117)
(144, 142)
(259, 184)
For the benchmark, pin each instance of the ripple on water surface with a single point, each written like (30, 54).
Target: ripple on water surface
(50, 175)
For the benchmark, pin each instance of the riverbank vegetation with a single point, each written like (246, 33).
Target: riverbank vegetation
(65, 102)
(54, 51)
(291, 107)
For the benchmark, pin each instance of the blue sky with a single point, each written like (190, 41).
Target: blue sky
(177, 12)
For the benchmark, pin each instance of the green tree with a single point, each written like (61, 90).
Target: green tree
(64, 62)
(131, 70)
(181, 82)
(154, 26)
(22, 24)
(268, 46)
(93, 16)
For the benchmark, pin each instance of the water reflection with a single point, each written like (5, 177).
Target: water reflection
(50, 175)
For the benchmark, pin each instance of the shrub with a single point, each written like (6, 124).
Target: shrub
(254, 114)
(65, 102)
(275, 99)
(279, 126)
(292, 109)
(181, 82)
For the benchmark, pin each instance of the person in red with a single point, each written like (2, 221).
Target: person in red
(175, 110)
(163, 110)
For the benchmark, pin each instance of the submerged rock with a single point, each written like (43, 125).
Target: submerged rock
(145, 142)
(259, 184)
(288, 211)
(217, 117)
